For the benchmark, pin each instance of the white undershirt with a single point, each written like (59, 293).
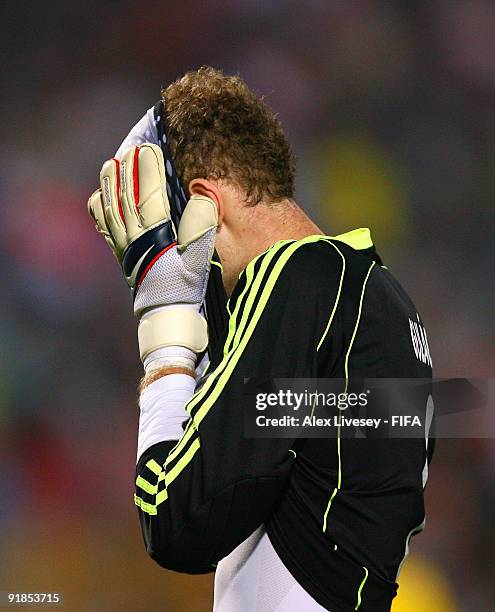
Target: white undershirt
(254, 579)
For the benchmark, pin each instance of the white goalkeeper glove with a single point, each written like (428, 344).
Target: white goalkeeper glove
(167, 270)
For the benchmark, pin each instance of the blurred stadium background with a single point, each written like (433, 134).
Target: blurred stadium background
(390, 108)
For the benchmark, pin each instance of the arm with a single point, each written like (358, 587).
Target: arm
(200, 497)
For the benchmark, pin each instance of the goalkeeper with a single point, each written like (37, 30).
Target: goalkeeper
(286, 524)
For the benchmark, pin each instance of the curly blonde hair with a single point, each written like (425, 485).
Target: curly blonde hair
(217, 128)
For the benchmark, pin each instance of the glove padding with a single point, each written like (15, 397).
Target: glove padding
(166, 270)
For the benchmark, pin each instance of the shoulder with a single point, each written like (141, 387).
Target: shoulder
(311, 266)
(296, 258)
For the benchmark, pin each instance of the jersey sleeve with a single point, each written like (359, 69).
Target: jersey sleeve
(201, 496)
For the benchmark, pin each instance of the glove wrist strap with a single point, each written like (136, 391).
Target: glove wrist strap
(172, 326)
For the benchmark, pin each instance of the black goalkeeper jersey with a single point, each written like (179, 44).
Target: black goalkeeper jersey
(338, 511)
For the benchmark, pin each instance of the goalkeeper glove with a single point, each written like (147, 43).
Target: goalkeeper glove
(167, 270)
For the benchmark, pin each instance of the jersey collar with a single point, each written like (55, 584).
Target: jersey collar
(359, 239)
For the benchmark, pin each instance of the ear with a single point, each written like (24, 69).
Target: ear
(206, 188)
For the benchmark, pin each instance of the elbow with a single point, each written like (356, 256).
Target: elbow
(180, 554)
(181, 549)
